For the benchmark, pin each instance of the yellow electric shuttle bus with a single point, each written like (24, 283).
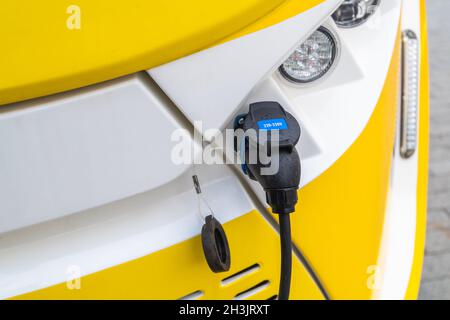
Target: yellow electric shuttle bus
(113, 114)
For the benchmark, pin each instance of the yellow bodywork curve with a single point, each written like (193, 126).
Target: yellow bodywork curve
(422, 179)
(339, 220)
(53, 46)
(179, 270)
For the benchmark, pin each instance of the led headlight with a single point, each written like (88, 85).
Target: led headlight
(352, 13)
(312, 59)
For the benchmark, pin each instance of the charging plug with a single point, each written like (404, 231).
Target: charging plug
(281, 185)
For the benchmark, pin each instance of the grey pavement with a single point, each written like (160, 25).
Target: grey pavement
(436, 273)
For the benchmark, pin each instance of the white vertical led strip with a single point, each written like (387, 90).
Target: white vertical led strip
(410, 94)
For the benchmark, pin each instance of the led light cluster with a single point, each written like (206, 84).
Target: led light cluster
(410, 94)
(312, 59)
(352, 13)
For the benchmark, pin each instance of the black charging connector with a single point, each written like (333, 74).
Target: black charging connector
(281, 184)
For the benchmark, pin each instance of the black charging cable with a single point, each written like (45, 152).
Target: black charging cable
(286, 257)
(281, 186)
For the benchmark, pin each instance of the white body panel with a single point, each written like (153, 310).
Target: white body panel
(333, 112)
(72, 152)
(46, 254)
(212, 84)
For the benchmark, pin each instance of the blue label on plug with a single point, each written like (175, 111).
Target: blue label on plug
(273, 124)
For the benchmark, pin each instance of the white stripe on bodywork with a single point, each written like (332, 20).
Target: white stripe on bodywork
(399, 232)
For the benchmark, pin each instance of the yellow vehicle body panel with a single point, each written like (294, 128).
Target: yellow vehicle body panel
(422, 181)
(50, 47)
(339, 219)
(179, 270)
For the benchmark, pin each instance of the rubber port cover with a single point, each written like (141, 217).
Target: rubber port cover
(215, 245)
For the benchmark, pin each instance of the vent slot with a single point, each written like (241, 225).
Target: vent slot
(193, 296)
(240, 274)
(253, 290)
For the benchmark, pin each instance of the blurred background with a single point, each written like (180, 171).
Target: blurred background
(436, 273)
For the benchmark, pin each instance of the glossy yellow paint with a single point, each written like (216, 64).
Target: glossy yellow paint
(339, 219)
(422, 181)
(179, 270)
(40, 55)
(288, 9)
